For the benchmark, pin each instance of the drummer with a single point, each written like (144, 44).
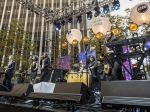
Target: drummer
(81, 66)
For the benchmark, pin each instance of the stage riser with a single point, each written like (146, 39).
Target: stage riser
(125, 88)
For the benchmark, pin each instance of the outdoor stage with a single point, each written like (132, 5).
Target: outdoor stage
(115, 96)
(22, 107)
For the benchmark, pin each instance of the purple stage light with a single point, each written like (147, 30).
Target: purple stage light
(126, 63)
(148, 45)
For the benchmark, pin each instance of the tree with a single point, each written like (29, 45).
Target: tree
(13, 38)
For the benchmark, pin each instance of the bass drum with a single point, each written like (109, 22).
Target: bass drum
(84, 77)
(72, 77)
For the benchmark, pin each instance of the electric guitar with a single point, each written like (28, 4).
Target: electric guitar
(51, 76)
(107, 69)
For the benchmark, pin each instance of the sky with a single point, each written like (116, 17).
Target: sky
(124, 4)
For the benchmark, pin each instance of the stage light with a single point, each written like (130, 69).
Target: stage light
(99, 35)
(85, 39)
(79, 19)
(116, 5)
(133, 27)
(58, 27)
(115, 31)
(148, 45)
(97, 11)
(70, 20)
(62, 23)
(89, 15)
(106, 9)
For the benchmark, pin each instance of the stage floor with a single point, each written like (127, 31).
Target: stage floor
(20, 107)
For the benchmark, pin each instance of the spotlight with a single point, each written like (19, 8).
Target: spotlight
(97, 11)
(106, 9)
(79, 19)
(62, 23)
(116, 5)
(58, 27)
(148, 45)
(70, 20)
(89, 15)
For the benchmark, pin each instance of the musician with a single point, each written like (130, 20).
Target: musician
(92, 68)
(33, 68)
(116, 73)
(9, 72)
(23, 74)
(45, 66)
(81, 66)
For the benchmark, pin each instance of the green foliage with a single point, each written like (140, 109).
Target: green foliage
(15, 39)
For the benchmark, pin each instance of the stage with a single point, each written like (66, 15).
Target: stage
(22, 107)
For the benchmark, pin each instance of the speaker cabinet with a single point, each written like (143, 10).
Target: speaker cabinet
(120, 94)
(133, 88)
(19, 91)
(74, 88)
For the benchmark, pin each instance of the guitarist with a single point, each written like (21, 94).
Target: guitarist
(10, 70)
(116, 72)
(22, 76)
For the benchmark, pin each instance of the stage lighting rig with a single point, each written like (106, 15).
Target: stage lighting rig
(116, 5)
(79, 19)
(62, 23)
(81, 7)
(106, 9)
(89, 15)
(97, 11)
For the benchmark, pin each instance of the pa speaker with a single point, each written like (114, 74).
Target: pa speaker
(74, 88)
(125, 93)
(133, 88)
(19, 91)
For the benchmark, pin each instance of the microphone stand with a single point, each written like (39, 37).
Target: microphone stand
(86, 61)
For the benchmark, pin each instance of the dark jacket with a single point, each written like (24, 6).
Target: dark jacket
(11, 68)
(94, 66)
(46, 63)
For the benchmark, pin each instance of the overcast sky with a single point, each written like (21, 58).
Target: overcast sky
(127, 4)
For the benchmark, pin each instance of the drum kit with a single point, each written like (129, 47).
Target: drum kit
(78, 76)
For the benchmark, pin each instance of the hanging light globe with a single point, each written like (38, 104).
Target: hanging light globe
(74, 42)
(64, 44)
(140, 14)
(115, 31)
(133, 27)
(99, 35)
(101, 24)
(85, 39)
(74, 34)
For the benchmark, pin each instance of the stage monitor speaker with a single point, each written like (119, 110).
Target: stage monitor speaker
(133, 88)
(19, 91)
(119, 92)
(75, 88)
(57, 75)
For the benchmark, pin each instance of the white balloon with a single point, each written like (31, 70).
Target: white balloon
(74, 34)
(140, 13)
(101, 24)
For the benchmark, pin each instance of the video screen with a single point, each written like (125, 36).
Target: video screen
(84, 55)
(63, 62)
